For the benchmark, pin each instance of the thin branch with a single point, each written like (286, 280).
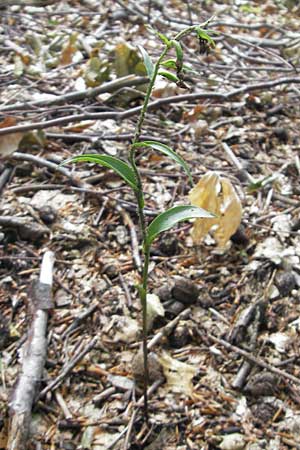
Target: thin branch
(256, 360)
(111, 86)
(119, 116)
(34, 357)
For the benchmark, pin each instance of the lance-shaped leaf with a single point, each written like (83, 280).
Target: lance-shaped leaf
(171, 217)
(169, 63)
(116, 164)
(169, 75)
(179, 54)
(166, 151)
(147, 61)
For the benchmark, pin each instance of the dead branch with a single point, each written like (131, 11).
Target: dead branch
(26, 229)
(28, 2)
(34, 356)
(111, 86)
(119, 116)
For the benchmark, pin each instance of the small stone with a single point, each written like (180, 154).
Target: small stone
(180, 336)
(164, 292)
(121, 235)
(234, 441)
(240, 237)
(110, 270)
(47, 214)
(285, 282)
(169, 245)
(261, 384)
(185, 291)
(263, 411)
(281, 134)
(175, 308)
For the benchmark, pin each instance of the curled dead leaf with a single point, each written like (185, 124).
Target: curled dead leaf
(217, 195)
(9, 143)
(178, 374)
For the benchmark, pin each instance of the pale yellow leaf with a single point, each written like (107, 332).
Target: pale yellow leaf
(178, 375)
(217, 195)
(230, 213)
(206, 195)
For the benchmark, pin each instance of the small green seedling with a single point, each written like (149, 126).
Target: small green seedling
(128, 170)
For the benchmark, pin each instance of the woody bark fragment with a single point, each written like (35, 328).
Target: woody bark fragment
(33, 359)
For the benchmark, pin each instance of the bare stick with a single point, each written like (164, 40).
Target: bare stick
(67, 369)
(111, 86)
(258, 361)
(153, 105)
(34, 357)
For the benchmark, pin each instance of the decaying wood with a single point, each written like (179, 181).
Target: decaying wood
(26, 228)
(28, 2)
(34, 356)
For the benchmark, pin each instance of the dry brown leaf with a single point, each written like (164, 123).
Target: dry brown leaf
(217, 195)
(10, 142)
(178, 374)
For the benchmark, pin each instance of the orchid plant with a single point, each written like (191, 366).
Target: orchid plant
(172, 69)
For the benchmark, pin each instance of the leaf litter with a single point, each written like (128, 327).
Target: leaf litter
(96, 278)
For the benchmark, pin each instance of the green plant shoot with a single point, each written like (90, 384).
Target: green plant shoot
(129, 172)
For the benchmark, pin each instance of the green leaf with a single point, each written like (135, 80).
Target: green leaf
(166, 151)
(147, 61)
(171, 217)
(203, 35)
(179, 54)
(169, 63)
(116, 164)
(161, 36)
(169, 75)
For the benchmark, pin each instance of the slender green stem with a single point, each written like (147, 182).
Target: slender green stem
(143, 298)
(140, 209)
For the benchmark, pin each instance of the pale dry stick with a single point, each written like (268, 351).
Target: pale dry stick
(168, 328)
(34, 357)
(80, 318)
(236, 162)
(100, 213)
(111, 86)
(259, 43)
(126, 290)
(98, 399)
(129, 429)
(50, 165)
(153, 105)
(258, 361)
(92, 137)
(63, 406)
(133, 236)
(67, 369)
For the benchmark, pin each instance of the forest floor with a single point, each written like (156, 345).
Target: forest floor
(225, 346)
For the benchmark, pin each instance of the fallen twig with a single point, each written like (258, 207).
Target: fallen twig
(65, 371)
(258, 361)
(153, 105)
(34, 356)
(111, 86)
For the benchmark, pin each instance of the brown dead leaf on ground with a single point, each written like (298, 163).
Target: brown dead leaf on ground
(9, 143)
